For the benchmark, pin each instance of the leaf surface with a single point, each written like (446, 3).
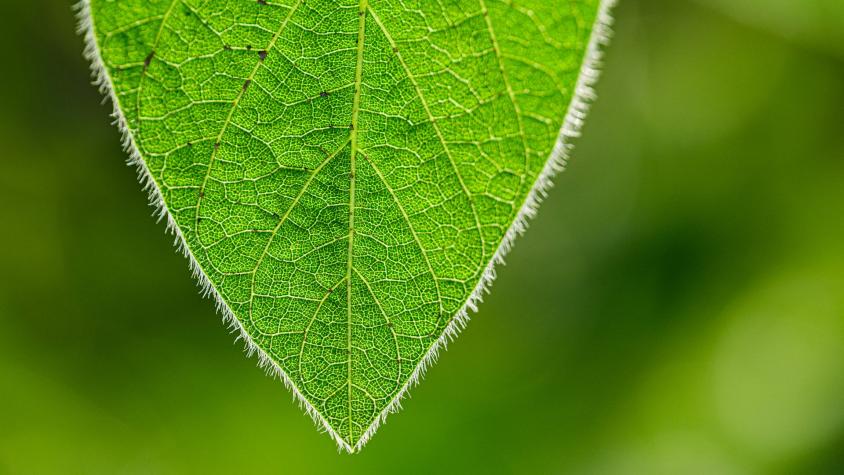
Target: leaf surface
(343, 174)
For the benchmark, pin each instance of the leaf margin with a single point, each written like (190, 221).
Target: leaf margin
(582, 98)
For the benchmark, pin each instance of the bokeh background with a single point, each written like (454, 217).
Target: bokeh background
(677, 307)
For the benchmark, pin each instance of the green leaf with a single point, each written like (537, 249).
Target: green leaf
(344, 175)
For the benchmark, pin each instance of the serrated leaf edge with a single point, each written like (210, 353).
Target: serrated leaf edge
(584, 96)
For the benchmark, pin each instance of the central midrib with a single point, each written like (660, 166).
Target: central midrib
(362, 6)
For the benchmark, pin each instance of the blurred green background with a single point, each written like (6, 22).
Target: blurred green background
(677, 307)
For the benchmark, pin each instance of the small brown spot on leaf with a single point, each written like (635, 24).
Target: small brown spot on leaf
(148, 60)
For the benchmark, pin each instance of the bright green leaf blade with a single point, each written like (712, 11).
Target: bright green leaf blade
(343, 174)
